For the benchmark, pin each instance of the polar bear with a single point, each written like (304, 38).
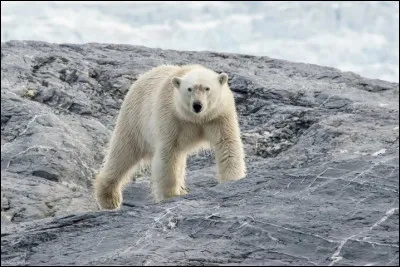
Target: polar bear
(169, 113)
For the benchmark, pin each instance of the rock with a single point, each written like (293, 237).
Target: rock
(322, 152)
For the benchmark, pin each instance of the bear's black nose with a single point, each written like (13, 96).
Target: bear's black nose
(197, 106)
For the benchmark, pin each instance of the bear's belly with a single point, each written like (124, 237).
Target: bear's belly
(191, 139)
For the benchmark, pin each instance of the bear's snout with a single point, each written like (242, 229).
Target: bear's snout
(197, 106)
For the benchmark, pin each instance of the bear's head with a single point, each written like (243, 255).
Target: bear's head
(200, 90)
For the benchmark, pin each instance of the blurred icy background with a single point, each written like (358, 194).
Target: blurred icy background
(362, 37)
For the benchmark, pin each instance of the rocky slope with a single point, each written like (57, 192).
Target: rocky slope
(322, 152)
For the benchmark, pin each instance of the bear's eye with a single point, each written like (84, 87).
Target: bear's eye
(189, 89)
(207, 88)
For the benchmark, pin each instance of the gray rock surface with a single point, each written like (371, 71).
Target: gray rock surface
(322, 153)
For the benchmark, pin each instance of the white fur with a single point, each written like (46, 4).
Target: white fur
(157, 124)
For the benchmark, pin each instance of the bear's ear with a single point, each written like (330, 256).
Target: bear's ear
(176, 82)
(223, 78)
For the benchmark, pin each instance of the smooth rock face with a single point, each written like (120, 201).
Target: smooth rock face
(322, 154)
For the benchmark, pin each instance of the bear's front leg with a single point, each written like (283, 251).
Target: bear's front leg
(224, 135)
(168, 173)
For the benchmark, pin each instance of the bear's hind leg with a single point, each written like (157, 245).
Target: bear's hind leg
(113, 177)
